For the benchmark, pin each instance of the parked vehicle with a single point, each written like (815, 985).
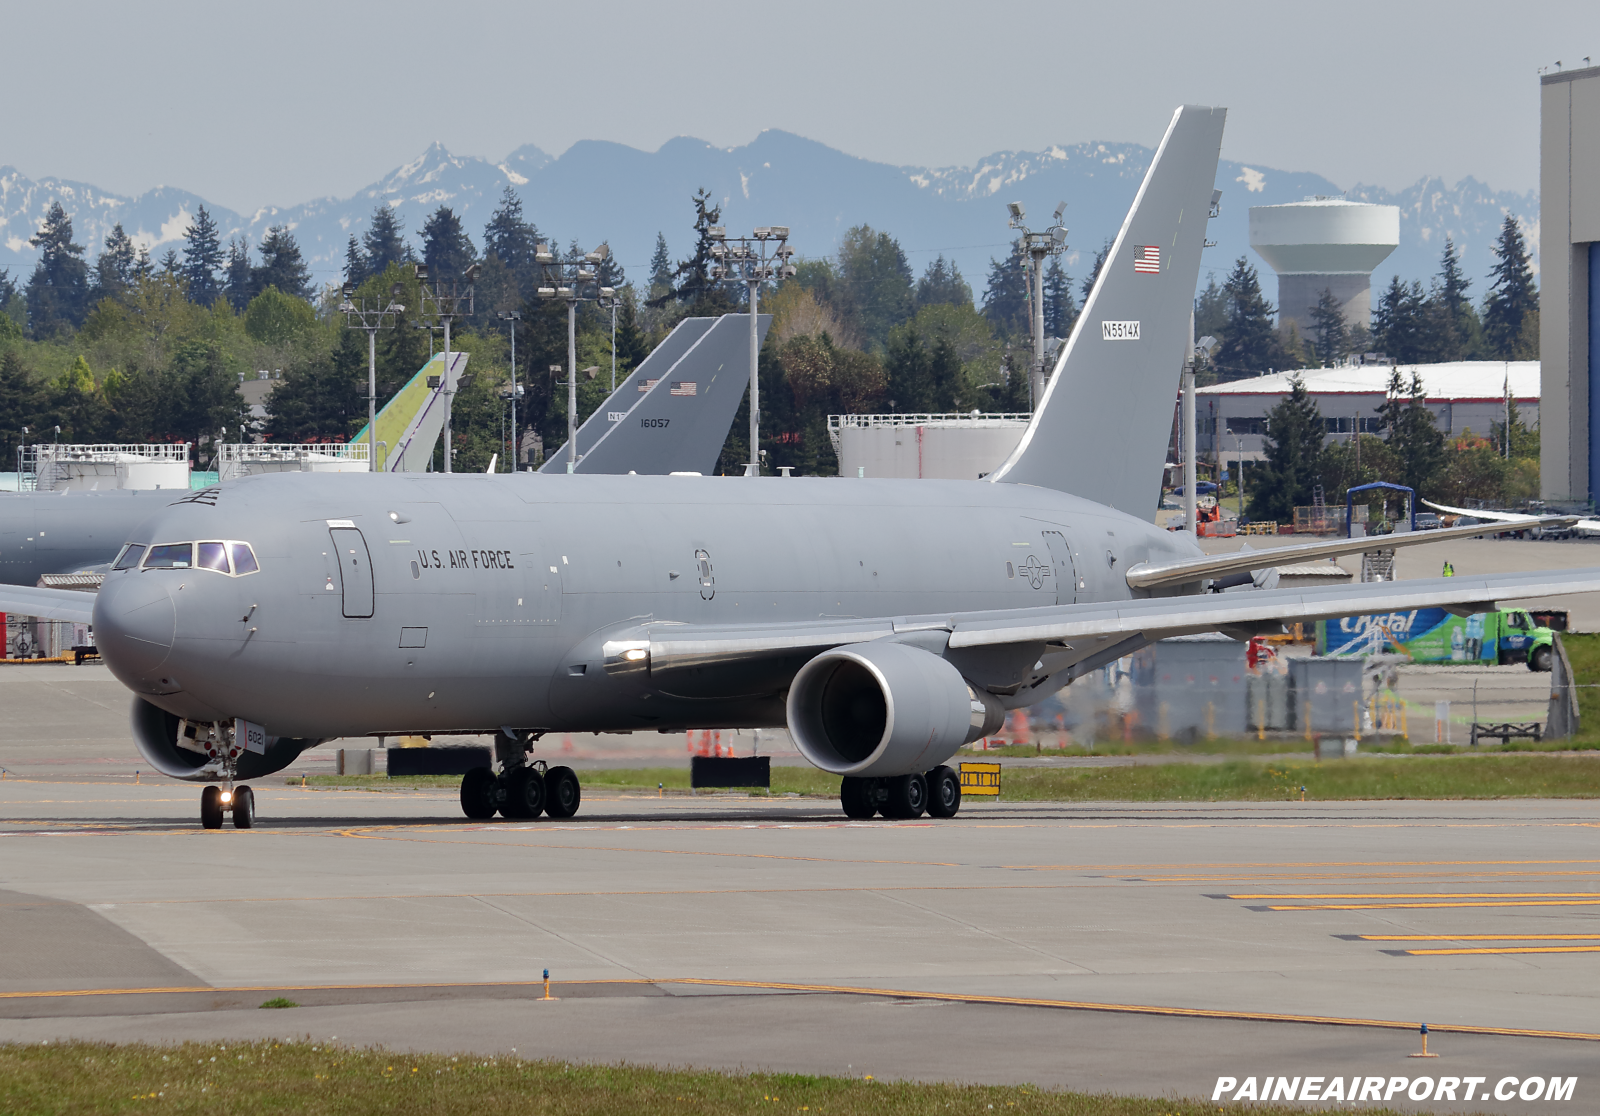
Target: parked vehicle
(1432, 635)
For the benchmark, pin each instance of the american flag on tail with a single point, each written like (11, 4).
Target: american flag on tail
(684, 387)
(1147, 260)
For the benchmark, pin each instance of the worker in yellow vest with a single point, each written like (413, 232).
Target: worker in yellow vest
(1449, 570)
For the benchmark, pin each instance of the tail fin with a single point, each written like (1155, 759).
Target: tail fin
(1101, 430)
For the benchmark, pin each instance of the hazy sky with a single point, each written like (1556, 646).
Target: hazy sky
(250, 105)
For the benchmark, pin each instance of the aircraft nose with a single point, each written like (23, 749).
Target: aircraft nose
(134, 623)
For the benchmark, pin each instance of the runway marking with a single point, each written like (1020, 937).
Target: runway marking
(1475, 937)
(846, 990)
(1500, 949)
(1428, 895)
(1424, 906)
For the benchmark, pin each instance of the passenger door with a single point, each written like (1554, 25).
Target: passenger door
(355, 571)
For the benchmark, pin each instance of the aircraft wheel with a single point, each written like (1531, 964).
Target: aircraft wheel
(908, 796)
(944, 792)
(561, 792)
(244, 808)
(855, 795)
(211, 808)
(524, 793)
(1540, 659)
(477, 794)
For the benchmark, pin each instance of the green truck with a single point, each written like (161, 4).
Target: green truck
(1432, 635)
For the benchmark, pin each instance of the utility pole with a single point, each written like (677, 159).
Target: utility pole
(513, 316)
(1051, 242)
(371, 320)
(1191, 505)
(752, 260)
(573, 279)
(447, 306)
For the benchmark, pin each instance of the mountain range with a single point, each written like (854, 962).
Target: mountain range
(606, 191)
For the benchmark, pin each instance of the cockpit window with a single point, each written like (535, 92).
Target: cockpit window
(244, 559)
(129, 558)
(170, 556)
(213, 556)
(210, 555)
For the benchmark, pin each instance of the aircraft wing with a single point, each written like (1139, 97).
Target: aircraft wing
(47, 604)
(1086, 629)
(1147, 576)
(1510, 518)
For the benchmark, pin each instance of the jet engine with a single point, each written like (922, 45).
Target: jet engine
(156, 733)
(883, 709)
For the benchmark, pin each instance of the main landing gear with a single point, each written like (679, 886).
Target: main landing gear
(937, 793)
(523, 789)
(216, 802)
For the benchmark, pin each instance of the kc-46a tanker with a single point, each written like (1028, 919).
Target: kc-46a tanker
(885, 622)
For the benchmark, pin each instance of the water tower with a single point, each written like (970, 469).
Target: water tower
(1324, 244)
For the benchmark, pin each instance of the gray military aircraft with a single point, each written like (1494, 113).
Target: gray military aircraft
(886, 623)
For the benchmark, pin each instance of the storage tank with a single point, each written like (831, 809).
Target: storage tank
(1324, 244)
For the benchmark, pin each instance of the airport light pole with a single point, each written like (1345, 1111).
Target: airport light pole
(1051, 242)
(447, 306)
(752, 260)
(513, 316)
(372, 320)
(572, 279)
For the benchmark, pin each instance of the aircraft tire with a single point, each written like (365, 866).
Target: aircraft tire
(562, 794)
(908, 796)
(856, 796)
(1540, 659)
(944, 792)
(524, 793)
(211, 808)
(477, 794)
(244, 808)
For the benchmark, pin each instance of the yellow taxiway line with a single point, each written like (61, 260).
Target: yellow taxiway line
(1478, 937)
(853, 990)
(1502, 949)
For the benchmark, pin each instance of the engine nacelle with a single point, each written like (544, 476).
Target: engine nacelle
(155, 734)
(878, 709)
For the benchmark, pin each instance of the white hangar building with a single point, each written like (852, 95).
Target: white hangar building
(1463, 395)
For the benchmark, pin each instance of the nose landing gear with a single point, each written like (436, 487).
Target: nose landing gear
(216, 802)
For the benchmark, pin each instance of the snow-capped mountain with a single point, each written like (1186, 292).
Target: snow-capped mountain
(605, 191)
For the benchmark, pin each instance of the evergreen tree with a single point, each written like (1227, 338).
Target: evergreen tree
(202, 259)
(1461, 331)
(384, 242)
(1211, 310)
(1285, 480)
(660, 268)
(1411, 432)
(1005, 302)
(446, 248)
(58, 291)
(355, 263)
(19, 401)
(282, 265)
(117, 267)
(875, 282)
(691, 280)
(1512, 296)
(170, 266)
(1400, 325)
(1328, 328)
(8, 288)
(1060, 311)
(1093, 277)
(514, 242)
(909, 371)
(942, 283)
(1249, 342)
(240, 283)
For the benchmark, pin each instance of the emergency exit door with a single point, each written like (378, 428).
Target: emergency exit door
(1066, 574)
(355, 571)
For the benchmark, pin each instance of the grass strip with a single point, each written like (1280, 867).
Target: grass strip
(322, 1080)
(1420, 775)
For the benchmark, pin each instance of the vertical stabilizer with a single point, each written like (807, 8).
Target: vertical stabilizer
(1101, 430)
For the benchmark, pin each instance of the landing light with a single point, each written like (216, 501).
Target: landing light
(227, 796)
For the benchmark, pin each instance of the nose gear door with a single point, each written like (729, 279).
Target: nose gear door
(355, 571)
(1066, 574)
